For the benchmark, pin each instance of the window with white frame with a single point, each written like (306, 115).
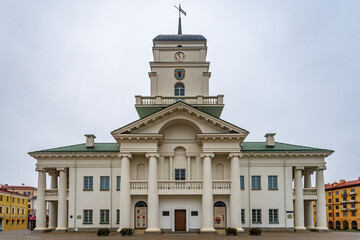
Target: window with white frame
(104, 216)
(118, 182)
(88, 183)
(256, 215)
(117, 216)
(179, 89)
(23, 210)
(272, 182)
(255, 182)
(242, 183)
(273, 216)
(88, 216)
(7, 210)
(105, 183)
(242, 215)
(179, 174)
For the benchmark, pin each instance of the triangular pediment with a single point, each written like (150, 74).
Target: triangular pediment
(153, 123)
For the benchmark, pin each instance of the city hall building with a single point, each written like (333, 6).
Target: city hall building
(180, 167)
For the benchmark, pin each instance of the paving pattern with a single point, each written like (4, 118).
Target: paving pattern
(28, 235)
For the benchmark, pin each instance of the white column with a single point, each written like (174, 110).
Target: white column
(125, 198)
(207, 196)
(171, 168)
(62, 202)
(188, 168)
(53, 204)
(308, 205)
(153, 197)
(321, 202)
(299, 200)
(41, 205)
(235, 196)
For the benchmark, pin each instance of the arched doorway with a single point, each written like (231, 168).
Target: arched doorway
(331, 225)
(141, 214)
(338, 225)
(354, 225)
(219, 215)
(345, 225)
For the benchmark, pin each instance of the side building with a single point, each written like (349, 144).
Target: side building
(342, 204)
(13, 211)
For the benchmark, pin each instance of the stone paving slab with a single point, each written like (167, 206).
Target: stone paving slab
(28, 235)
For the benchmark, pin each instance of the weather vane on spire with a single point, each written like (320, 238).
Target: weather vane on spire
(181, 11)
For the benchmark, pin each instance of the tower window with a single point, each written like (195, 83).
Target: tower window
(179, 89)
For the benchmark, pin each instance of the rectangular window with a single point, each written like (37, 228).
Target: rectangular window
(1, 198)
(242, 183)
(256, 215)
(1, 209)
(344, 199)
(29, 193)
(7, 198)
(118, 182)
(194, 213)
(104, 183)
(336, 193)
(242, 215)
(329, 207)
(88, 183)
(117, 216)
(330, 214)
(273, 216)
(7, 210)
(272, 182)
(344, 192)
(104, 216)
(255, 182)
(179, 174)
(353, 190)
(329, 193)
(353, 213)
(23, 211)
(337, 214)
(88, 216)
(329, 200)
(344, 206)
(337, 207)
(352, 198)
(345, 214)
(166, 213)
(336, 200)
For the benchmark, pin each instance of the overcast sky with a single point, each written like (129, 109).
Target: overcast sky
(73, 67)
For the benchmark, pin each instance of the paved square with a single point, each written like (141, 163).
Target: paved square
(25, 234)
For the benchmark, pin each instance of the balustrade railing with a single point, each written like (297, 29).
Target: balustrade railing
(179, 185)
(54, 192)
(221, 184)
(308, 191)
(152, 100)
(138, 185)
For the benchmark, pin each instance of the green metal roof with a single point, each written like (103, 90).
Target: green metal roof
(279, 147)
(98, 147)
(246, 147)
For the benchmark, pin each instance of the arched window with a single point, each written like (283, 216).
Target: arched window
(140, 172)
(141, 204)
(219, 204)
(179, 89)
(219, 172)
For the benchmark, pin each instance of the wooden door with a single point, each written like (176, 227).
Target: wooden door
(180, 220)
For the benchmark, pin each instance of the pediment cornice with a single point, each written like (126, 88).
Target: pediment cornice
(176, 108)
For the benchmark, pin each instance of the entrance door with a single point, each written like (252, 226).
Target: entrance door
(180, 220)
(141, 215)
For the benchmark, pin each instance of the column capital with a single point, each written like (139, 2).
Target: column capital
(299, 168)
(235, 154)
(307, 171)
(321, 168)
(60, 169)
(149, 155)
(40, 169)
(123, 155)
(207, 154)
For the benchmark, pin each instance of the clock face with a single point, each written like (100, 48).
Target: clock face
(179, 56)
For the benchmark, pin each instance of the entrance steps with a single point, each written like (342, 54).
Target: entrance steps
(221, 232)
(138, 232)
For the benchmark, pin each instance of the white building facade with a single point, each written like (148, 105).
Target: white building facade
(180, 167)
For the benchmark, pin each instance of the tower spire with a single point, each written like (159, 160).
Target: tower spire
(183, 12)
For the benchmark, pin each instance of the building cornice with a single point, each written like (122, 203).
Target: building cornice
(286, 154)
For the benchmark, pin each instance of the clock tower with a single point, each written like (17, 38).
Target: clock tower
(179, 72)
